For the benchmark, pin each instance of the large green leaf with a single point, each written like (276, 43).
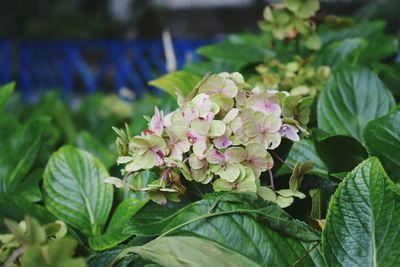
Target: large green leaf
(352, 97)
(237, 54)
(29, 187)
(347, 50)
(180, 81)
(362, 30)
(382, 139)
(302, 151)
(257, 229)
(362, 226)
(18, 152)
(106, 257)
(75, 191)
(340, 153)
(115, 234)
(5, 93)
(186, 251)
(380, 47)
(15, 208)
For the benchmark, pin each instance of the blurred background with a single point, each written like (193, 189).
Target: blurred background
(84, 46)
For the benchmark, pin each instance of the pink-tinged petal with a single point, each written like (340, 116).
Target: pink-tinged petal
(200, 146)
(230, 88)
(209, 116)
(266, 106)
(156, 123)
(263, 163)
(147, 132)
(264, 102)
(290, 132)
(235, 154)
(178, 149)
(189, 113)
(203, 103)
(158, 156)
(215, 157)
(192, 136)
(222, 142)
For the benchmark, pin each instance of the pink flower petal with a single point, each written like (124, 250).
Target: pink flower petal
(222, 142)
(156, 123)
(215, 157)
(159, 156)
(290, 132)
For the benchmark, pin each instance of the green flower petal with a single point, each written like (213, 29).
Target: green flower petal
(200, 127)
(266, 193)
(214, 156)
(196, 163)
(230, 173)
(216, 128)
(273, 123)
(222, 185)
(284, 202)
(235, 154)
(273, 140)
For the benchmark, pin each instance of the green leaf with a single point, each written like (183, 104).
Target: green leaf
(344, 50)
(382, 139)
(352, 97)
(390, 75)
(340, 153)
(86, 141)
(362, 30)
(380, 47)
(362, 227)
(237, 54)
(15, 208)
(29, 187)
(302, 151)
(18, 153)
(106, 257)
(180, 81)
(75, 191)
(265, 211)
(115, 234)
(186, 251)
(5, 93)
(244, 223)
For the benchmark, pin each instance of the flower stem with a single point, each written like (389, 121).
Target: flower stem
(281, 160)
(271, 179)
(18, 252)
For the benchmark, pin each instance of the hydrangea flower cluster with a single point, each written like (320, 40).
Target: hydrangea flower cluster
(299, 77)
(290, 20)
(221, 134)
